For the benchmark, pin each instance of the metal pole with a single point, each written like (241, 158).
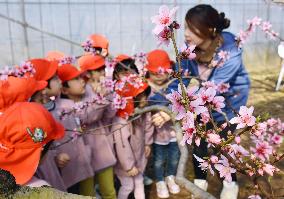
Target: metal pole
(41, 27)
(26, 47)
(10, 35)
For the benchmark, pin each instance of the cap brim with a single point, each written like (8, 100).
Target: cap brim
(40, 85)
(60, 131)
(22, 163)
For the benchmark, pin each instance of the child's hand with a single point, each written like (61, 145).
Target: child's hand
(147, 151)
(160, 118)
(62, 159)
(133, 172)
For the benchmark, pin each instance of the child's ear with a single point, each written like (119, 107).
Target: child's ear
(104, 52)
(44, 91)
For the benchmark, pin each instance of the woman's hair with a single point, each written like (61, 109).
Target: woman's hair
(206, 20)
(127, 65)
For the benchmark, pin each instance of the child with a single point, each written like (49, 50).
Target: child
(100, 44)
(76, 170)
(125, 66)
(100, 140)
(47, 71)
(132, 142)
(165, 148)
(25, 133)
(48, 169)
(16, 89)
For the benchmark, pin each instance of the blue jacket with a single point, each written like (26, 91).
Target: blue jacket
(232, 72)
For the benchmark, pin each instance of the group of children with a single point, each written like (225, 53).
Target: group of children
(100, 144)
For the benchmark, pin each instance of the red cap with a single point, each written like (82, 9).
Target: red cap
(25, 128)
(158, 59)
(129, 91)
(54, 55)
(99, 41)
(91, 62)
(17, 89)
(67, 72)
(45, 69)
(122, 57)
(127, 111)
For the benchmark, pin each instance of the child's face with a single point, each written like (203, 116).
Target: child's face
(54, 88)
(122, 74)
(97, 75)
(142, 98)
(76, 87)
(158, 78)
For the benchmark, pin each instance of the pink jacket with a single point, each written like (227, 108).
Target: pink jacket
(130, 140)
(100, 140)
(79, 167)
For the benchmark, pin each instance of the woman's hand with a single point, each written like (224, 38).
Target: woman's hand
(133, 172)
(160, 118)
(62, 159)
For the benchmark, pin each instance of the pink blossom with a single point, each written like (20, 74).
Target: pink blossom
(188, 127)
(259, 129)
(108, 84)
(223, 87)
(224, 55)
(277, 139)
(141, 61)
(254, 197)
(99, 99)
(119, 102)
(214, 159)
(237, 151)
(207, 95)
(266, 26)
(254, 21)
(67, 60)
(204, 164)
(176, 100)
(164, 37)
(209, 84)
(75, 135)
(269, 169)
(187, 52)
(163, 19)
(110, 64)
(213, 138)
(205, 117)
(218, 103)
(224, 169)
(87, 45)
(262, 150)
(238, 139)
(245, 119)
(197, 107)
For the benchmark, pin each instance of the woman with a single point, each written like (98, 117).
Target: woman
(204, 28)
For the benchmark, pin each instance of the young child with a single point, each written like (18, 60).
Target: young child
(76, 170)
(132, 142)
(165, 148)
(100, 44)
(101, 139)
(25, 133)
(48, 170)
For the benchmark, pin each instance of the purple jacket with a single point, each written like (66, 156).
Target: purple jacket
(130, 141)
(100, 140)
(48, 171)
(79, 167)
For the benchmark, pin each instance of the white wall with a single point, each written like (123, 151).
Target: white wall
(125, 22)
